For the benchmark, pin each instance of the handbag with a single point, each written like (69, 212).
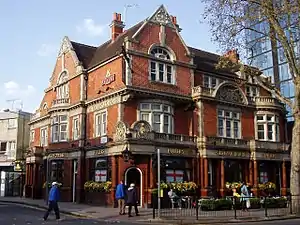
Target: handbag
(248, 204)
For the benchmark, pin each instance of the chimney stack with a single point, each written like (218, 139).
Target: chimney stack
(233, 56)
(174, 21)
(117, 26)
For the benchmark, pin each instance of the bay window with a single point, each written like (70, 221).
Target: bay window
(160, 116)
(59, 127)
(229, 124)
(100, 124)
(161, 70)
(267, 127)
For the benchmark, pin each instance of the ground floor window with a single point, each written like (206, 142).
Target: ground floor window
(233, 171)
(57, 170)
(177, 170)
(100, 171)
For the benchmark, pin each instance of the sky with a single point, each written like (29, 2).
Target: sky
(32, 31)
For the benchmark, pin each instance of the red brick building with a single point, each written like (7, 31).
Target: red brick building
(132, 93)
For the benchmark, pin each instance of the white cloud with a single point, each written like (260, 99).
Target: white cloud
(89, 27)
(46, 50)
(13, 89)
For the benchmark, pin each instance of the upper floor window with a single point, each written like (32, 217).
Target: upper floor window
(158, 115)
(229, 123)
(59, 128)
(75, 128)
(162, 70)
(100, 124)
(267, 127)
(210, 82)
(12, 123)
(252, 91)
(32, 136)
(62, 90)
(3, 146)
(44, 137)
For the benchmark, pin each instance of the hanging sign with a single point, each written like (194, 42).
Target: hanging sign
(109, 78)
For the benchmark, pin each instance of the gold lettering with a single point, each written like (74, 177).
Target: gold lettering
(176, 151)
(230, 153)
(99, 152)
(269, 155)
(56, 155)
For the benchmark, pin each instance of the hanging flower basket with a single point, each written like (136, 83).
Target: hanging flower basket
(92, 186)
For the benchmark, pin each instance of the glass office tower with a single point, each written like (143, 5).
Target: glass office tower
(269, 57)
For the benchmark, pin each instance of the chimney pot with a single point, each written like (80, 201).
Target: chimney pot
(117, 26)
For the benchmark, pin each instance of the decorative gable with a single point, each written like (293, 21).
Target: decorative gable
(162, 17)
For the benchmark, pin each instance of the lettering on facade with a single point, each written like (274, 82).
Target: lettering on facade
(99, 152)
(109, 78)
(178, 151)
(233, 154)
(56, 155)
(269, 155)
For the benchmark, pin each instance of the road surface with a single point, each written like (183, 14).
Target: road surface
(278, 222)
(11, 214)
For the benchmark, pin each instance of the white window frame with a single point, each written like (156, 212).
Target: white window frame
(229, 116)
(158, 108)
(62, 89)
(44, 136)
(274, 122)
(14, 125)
(100, 127)
(75, 130)
(165, 60)
(210, 81)
(249, 90)
(56, 126)
(32, 135)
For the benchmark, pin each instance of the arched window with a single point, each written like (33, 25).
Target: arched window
(62, 86)
(161, 70)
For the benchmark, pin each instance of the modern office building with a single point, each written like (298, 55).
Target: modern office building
(14, 141)
(269, 57)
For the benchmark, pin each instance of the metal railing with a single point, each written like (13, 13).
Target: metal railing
(191, 208)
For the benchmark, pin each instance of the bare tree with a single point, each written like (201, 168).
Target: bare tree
(277, 21)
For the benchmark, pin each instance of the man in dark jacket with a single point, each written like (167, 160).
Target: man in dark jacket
(120, 196)
(54, 197)
(132, 200)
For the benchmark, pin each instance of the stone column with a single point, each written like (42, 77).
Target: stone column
(222, 190)
(205, 177)
(283, 179)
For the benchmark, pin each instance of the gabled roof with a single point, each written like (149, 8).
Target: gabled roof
(84, 53)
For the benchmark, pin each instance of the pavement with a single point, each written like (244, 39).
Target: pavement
(168, 216)
(12, 214)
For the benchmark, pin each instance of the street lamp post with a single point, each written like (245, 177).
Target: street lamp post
(158, 188)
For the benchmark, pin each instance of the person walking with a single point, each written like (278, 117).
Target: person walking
(245, 197)
(120, 196)
(53, 199)
(132, 200)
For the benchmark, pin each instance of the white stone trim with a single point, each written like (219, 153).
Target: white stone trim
(141, 182)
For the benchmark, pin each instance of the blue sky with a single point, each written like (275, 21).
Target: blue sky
(32, 32)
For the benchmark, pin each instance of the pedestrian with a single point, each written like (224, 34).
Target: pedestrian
(120, 196)
(132, 200)
(245, 197)
(53, 199)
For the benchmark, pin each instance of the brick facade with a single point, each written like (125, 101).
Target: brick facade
(120, 96)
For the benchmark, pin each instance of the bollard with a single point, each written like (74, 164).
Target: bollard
(266, 207)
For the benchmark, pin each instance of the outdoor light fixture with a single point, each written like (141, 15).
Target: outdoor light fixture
(126, 154)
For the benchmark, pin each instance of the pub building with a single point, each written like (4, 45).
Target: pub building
(109, 108)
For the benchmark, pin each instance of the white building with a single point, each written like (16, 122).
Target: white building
(14, 141)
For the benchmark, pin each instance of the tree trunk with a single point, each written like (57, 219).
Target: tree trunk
(295, 154)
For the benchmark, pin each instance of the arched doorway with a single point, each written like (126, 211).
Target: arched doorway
(135, 175)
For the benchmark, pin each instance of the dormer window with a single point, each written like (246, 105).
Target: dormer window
(62, 90)
(161, 70)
